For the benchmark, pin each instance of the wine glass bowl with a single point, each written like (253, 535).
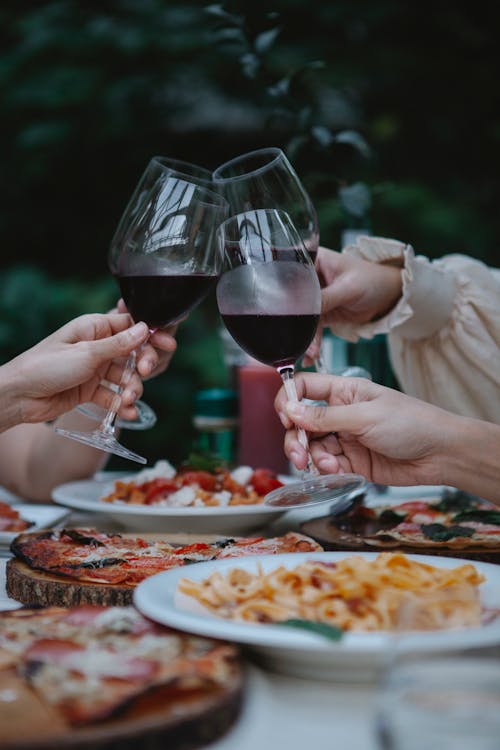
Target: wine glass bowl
(157, 168)
(165, 266)
(269, 298)
(265, 179)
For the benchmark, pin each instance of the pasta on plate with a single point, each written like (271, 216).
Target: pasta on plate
(355, 593)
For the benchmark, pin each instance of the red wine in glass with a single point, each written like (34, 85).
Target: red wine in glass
(276, 340)
(163, 299)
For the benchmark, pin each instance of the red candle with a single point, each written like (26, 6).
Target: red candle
(261, 434)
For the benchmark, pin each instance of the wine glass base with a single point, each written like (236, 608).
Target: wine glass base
(103, 442)
(340, 490)
(146, 418)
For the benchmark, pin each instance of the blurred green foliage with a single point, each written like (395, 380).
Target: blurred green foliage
(388, 110)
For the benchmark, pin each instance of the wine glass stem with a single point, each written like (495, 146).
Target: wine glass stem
(108, 423)
(291, 391)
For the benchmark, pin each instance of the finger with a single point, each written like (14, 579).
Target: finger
(325, 452)
(121, 306)
(93, 327)
(120, 344)
(147, 360)
(314, 349)
(104, 396)
(354, 418)
(164, 339)
(295, 451)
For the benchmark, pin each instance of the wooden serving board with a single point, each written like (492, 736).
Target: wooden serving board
(336, 534)
(161, 719)
(35, 588)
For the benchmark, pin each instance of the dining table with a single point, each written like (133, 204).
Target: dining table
(279, 710)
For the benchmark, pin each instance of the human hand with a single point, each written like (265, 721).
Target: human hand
(154, 356)
(354, 291)
(367, 429)
(67, 367)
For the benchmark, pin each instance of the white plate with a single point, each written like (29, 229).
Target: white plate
(408, 493)
(356, 657)
(41, 516)
(85, 495)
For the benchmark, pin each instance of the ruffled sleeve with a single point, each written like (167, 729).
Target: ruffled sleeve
(444, 333)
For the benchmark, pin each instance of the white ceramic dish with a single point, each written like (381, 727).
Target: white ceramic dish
(41, 516)
(356, 657)
(85, 495)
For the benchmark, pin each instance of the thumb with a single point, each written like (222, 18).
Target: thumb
(311, 418)
(120, 344)
(350, 418)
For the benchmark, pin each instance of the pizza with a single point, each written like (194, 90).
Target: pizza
(10, 519)
(212, 486)
(455, 521)
(89, 663)
(69, 566)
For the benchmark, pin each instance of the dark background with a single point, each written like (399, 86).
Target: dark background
(388, 110)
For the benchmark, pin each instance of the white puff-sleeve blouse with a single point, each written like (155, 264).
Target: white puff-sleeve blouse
(444, 333)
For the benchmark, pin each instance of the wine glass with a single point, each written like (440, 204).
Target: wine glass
(265, 179)
(166, 265)
(441, 686)
(157, 167)
(270, 300)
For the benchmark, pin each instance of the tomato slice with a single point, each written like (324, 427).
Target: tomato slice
(158, 487)
(412, 505)
(203, 479)
(264, 481)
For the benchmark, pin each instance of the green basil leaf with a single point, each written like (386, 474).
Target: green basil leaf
(437, 532)
(456, 501)
(203, 462)
(320, 628)
(484, 516)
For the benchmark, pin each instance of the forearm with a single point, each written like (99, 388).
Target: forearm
(34, 459)
(10, 404)
(472, 460)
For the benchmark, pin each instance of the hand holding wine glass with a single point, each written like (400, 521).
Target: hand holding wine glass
(166, 266)
(269, 299)
(158, 167)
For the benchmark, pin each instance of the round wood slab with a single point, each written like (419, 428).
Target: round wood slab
(335, 534)
(36, 588)
(161, 719)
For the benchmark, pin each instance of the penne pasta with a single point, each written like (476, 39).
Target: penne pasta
(355, 593)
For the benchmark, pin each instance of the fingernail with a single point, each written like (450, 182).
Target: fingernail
(294, 457)
(328, 464)
(295, 409)
(284, 418)
(138, 330)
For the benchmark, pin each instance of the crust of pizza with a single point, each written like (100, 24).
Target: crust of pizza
(390, 539)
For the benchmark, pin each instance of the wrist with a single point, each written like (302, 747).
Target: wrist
(470, 460)
(392, 284)
(10, 398)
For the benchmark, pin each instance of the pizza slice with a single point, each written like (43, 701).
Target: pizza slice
(89, 663)
(456, 521)
(75, 566)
